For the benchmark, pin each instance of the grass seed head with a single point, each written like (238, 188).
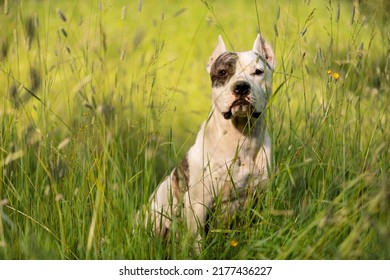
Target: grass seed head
(61, 15)
(63, 31)
(124, 10)
(35, 78)
(36, 20)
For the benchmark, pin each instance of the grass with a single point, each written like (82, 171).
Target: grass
(100, 99)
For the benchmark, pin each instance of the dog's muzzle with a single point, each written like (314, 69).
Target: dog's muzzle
(241, 89)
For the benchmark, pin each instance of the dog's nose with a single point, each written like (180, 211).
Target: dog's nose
(242, 88)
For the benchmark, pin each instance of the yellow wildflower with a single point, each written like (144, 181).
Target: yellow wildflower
(335, 76)
(234, 243)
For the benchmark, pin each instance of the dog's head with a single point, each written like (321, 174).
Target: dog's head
(241, 81)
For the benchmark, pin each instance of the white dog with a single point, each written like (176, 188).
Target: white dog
(231, 154)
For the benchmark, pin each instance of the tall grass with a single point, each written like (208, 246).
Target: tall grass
(100, 100)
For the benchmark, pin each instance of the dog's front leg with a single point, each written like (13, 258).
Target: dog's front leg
(196, 205)
(163, 207)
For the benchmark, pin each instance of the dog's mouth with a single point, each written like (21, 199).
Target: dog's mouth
(241, 108)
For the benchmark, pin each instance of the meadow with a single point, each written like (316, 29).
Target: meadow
(99, 99)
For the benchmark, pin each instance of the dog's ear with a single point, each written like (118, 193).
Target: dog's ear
(220, 49)
(262, 47)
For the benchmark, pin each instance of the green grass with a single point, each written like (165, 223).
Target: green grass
(100, 99)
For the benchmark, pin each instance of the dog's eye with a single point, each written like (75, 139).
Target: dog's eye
(222, 73)
(259, 72)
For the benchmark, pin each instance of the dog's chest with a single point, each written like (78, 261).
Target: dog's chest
(226, 159)
(235, 161)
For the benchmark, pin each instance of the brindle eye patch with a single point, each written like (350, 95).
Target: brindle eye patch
(223, 69)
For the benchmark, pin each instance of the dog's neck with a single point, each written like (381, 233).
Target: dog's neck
(246, 125)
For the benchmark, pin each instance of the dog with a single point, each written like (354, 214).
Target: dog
(231, 156)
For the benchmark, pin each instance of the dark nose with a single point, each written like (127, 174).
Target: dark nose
(242, 88)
